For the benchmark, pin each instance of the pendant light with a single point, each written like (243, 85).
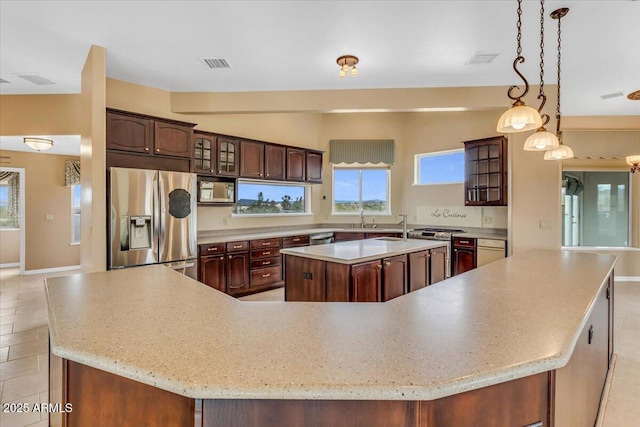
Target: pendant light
(520, 117)
(634, 162)
(542, 139)
(563, 151)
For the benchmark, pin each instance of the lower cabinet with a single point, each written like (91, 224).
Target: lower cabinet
(213, 272)
(366, 280)
(237, 273)
(438, 264)
(464, 255)
(427, 268)
(394, 277)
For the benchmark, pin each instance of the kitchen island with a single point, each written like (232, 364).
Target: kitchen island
(523, 340)
(370, 270)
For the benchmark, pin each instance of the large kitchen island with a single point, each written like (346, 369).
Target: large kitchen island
(518, 342)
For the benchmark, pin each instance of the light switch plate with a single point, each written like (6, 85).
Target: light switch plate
(48, 217)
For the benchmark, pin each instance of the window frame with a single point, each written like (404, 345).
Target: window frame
(14, 226)
(75, 240)
(360, 168)
(416, 167)
(307, 199)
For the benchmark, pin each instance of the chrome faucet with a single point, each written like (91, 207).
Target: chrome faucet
(404, 226)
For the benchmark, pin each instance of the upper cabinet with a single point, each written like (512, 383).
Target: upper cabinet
(251, 159)
(486, 172)
(313, 166)
(228, 156)
(148, 135)
(296, 164)
(204, 153)
(275, 159)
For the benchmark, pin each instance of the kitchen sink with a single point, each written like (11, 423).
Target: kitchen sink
(389, 239)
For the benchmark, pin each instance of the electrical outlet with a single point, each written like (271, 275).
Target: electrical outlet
(545, 224)
(225, 221)
(48, 217)
(487, 220)
(415, 218)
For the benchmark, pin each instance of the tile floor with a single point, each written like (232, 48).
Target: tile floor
(24, 337)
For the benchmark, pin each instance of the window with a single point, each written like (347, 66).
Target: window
(595, 209)
(76, 191)
(356, 189)
(442, 167)
(272, 199)
(6, 219)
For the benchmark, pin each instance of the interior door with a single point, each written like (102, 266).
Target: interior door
(178, 228)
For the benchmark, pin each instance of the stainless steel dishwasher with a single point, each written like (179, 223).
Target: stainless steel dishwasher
(320, 239)
(489, 250)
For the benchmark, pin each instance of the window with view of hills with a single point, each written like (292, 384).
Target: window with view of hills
(271, 199)
(364, 189)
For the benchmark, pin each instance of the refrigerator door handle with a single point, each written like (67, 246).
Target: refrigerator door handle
(180, 266)
(158, 189)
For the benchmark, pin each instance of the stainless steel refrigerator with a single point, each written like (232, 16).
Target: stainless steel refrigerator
(153, 219)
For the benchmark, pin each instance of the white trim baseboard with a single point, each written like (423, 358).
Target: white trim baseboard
(626, 278)
(10, 264)
(52, 270)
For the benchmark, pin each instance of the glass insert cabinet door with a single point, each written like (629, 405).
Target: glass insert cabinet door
(204, 153)
(228, 150)
(486, 172)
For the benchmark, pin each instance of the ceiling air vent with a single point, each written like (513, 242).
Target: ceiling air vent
(35, 78)
(4, 81)
(612, 95)
(215, 63)
(481, 58)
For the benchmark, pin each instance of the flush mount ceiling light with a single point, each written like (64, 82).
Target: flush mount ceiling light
(346, 63)
(38, 144)
(542, 139)
(634, 96)
(563, 151)
(634, 162)
(519, 118)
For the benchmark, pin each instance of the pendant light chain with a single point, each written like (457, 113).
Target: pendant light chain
(541, 48)
(558, 133)
(519, 27)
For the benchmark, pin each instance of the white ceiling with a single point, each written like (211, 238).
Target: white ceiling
(68, 145)
(293, 45)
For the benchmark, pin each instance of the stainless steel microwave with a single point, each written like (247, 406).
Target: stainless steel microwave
(216, 191)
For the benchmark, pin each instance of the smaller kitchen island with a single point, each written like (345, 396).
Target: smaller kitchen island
(370, 270)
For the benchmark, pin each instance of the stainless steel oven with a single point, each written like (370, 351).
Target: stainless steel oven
(439, 234)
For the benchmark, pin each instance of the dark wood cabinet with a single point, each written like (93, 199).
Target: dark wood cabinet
(275, 160)
(313, 164)
(171, 139)
(464, 255)
(295, 241)
(366, 281)
(251, 159)
(346, 236)
(266, 269)
(212, 272)
(296, 159)
(394, 277)
(204, 153)
(227, 160)
(486, 172)
(129, 133)
(237, 273)
(438, 265)
(419, 270)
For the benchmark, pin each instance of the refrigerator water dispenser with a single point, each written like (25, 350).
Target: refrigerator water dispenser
(136, 232)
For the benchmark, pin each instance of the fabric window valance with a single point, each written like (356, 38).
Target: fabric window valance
(605, 144)
(362, 151)
(71, 172)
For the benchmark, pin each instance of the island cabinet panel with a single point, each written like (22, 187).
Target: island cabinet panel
(366, 281)
(295, 164)
(394, 277)
(103, 399)
(129, 133)
(251, 159)
(579, 384)
(237, 273)
(438, 265)
(419, 270)
(275, 159)
(305, 279)
(172, 139)
(339, 282)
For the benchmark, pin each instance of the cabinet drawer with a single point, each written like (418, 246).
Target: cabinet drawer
(266, 276)
(265, 243)
(464, 241)
(266, 262)
(264, 253)
(238, 246)
(291, 241)
(211, 249)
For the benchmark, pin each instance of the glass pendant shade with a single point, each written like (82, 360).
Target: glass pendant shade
(633, 160)
(38, 144)
(542, 140)
(561, 153)
(519, 118)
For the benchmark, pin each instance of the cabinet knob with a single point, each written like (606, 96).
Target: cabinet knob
(146, 148)
(211, 170)
(387, 263)
(157, 150)
(379, 266)
(221, 258)
(267, 174)
(230, 256)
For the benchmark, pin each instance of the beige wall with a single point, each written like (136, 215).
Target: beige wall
(40, 115)
(9, 246)
(47, 243)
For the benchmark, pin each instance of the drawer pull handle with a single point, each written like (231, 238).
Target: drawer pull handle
(266, 252)
(236, 287)
(266, 262)
(266, 275)
(237, 247)
(464, 241)
(266, 243)
(212, 249)
(296, 239)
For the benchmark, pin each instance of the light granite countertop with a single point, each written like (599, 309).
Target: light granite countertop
(356, 251)
(288, 232)
(510, 319)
